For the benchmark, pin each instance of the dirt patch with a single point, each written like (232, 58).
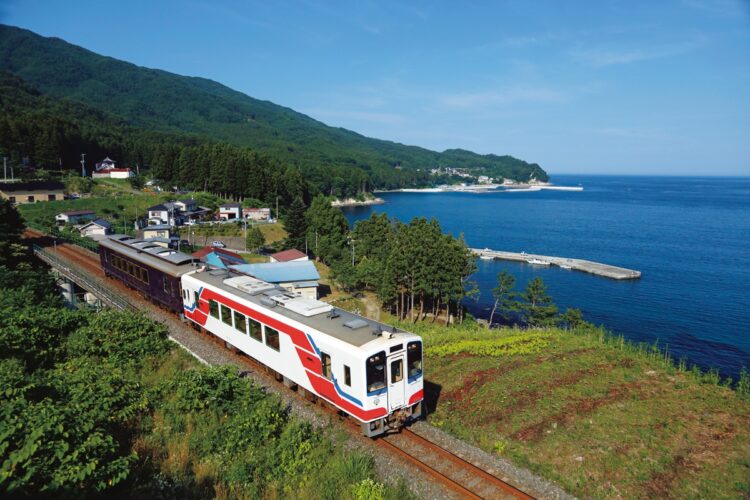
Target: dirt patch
(523, 399)
(576, 409)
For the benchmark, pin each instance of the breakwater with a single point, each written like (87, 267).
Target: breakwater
(586, 266)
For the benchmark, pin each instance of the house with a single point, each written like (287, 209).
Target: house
(257, 214)
(230, 211)
(292, 255)
(107, 169)
(157, 231)
(218, 257)
(75, 217)
(165, 213)
(96, 229)
(186, 205)
(32, 191)
(301, 277)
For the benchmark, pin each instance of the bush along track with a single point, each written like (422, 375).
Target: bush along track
(96, 404)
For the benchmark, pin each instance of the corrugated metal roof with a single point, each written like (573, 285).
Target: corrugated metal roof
(158, 257)
(281, 272)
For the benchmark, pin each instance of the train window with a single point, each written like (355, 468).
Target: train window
(255, 329)
(347, 376)
(375, 371)
(226, 315)
(396, 348)
(145, 276)
(272, 338)
(414, 359)
(197, 297)
(213, 308)
(325, 365)
(397, 371)
(239, 322)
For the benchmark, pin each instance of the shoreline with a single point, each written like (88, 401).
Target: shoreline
(351, 202)
(487, 188)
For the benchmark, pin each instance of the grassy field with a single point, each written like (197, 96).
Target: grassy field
(598, 416)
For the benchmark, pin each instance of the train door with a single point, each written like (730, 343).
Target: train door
(396, 382)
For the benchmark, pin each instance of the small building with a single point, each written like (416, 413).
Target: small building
(96, 229)
(157, 231)
(75, 217)
(301, 277)
(107, 169)
(165, 213)
(186, 205)
(32, 191)
(292, 255)
(257, 214)
(230, 211)
(218, 257)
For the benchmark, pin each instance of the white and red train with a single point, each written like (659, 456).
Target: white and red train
(371, 371)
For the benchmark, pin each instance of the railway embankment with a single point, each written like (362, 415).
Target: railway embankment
(208, 350)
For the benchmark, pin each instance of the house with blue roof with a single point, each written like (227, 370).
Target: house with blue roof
(301, 276)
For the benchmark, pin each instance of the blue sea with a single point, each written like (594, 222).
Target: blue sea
(689, 236)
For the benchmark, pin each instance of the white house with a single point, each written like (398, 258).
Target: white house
(230, 211)
(75, 217)
(165, 213)
(259, 214)
(188, 205)
(107, 169)
(96, 229)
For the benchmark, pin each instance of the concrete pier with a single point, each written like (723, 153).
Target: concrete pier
(587, 266)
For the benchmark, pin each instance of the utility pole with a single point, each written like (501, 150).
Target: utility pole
(83, 164)
(277, 208)
(5, 169)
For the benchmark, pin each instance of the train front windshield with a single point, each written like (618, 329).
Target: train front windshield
(376, 372)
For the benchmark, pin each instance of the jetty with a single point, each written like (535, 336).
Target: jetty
(586, 266)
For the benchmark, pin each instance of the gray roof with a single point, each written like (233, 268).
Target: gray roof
(331, 324)
(9, 187)
(155, 208)
(230, 205)
(157, 227)
(100, 222)
(156, 256)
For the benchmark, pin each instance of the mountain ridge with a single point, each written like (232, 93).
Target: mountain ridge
(162, 101)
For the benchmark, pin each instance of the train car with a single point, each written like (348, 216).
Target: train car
(151, 269)
(369, 370)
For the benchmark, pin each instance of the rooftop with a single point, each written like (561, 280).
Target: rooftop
(343, 325)
(230, 205)
(78, 212)
(101, 223)
(150, 253)
(288, 255)
(9, 187)
(280, 272)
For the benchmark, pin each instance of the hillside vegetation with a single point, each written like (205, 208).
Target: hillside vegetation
(157, 101)
(601, 417)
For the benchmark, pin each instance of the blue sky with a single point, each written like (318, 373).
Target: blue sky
(579, 87)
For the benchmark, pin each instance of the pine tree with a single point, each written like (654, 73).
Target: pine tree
(295, 225)
(255, 239)
(538, 308)
(505, 296)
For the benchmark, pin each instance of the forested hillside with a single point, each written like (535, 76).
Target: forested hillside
(196, 109)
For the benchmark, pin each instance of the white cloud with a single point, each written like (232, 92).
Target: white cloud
(608, 57)
(501, 97)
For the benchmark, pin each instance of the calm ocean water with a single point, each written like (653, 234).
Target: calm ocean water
(690, 236)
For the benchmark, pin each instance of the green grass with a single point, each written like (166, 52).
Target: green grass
(598, 415)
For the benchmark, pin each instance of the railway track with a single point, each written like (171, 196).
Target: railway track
(451, 471)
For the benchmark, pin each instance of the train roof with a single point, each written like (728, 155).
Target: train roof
(148, 252)
(343, 325)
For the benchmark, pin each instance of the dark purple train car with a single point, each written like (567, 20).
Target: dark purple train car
(151, 269)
